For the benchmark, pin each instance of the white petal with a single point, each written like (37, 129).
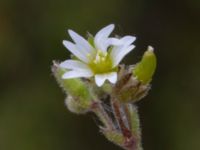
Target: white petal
(105, 32)
(81, 42)
(101, 78)
(127, 40)
(118, 53)
(101, 37)
(74, 50)
(77, 74)
(112, 77)
(114, 41)
(73, 64)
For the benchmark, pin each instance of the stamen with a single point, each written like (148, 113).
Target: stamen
(101, 63)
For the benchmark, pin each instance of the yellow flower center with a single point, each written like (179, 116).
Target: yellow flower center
(102, 63)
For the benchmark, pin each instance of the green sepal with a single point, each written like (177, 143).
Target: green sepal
(114, 136)
(145, 69)
(135, 125)
(75, 106)
(74, 87)
(91, 39)
(134, 119)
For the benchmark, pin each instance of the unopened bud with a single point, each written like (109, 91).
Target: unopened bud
(145, 69)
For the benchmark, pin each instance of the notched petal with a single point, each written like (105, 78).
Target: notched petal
(73, 64)
(101, 78)
(77, 74)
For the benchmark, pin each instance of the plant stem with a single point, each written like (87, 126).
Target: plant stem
(103, 116)
(130, 140)
(116, 109)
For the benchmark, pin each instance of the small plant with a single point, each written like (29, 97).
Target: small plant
(94, 81)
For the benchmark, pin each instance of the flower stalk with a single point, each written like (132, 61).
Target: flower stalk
(100, 112)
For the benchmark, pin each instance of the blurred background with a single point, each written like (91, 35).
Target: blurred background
(32, 111)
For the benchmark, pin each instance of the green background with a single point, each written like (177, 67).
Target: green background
(32, 111)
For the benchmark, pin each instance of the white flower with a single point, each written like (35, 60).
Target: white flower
(98, 58)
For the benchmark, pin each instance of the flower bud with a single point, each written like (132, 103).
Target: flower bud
(76, 88)
(145, 69)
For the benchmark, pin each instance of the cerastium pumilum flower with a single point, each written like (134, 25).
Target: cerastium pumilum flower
(94, 81)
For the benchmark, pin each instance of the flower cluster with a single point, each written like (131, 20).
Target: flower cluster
(95, 81)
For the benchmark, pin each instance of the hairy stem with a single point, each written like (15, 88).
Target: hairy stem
(125, 122)
(118, 116)
(98, 109)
